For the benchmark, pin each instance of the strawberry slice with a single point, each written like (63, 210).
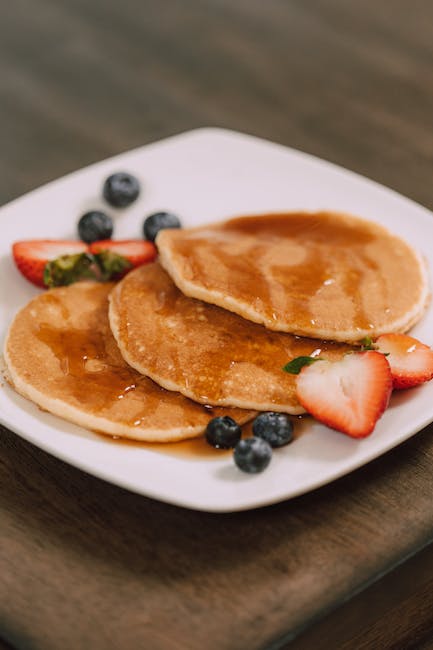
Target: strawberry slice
(349, 395)
(31, 256)
(410, 360)
(136, 251)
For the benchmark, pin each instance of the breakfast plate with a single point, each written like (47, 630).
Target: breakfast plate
(204, 176)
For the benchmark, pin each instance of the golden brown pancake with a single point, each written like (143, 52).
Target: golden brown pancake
(60, 354)
(324, 275)
(207, 353)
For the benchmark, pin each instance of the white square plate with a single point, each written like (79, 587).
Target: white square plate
(203, 176)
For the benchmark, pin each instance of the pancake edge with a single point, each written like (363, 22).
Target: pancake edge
(171, 386)
(400, 325)
(92, 423)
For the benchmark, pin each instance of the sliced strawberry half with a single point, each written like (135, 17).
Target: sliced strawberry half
(136, 251)
(349, 395)
(31, 256)
(410, 360)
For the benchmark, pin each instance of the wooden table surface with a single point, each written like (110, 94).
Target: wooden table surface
(84, 564)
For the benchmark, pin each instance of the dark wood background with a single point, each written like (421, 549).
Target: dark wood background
(84, 564)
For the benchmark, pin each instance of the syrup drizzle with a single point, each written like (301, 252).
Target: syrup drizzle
(82, 366)
(203, 350)
(289, 268)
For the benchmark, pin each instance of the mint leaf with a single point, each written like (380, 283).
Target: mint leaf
(367, 343)
(295, 366)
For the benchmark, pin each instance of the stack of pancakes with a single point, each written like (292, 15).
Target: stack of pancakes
(207, 329)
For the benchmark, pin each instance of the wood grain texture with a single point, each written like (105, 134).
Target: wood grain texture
(394, 612)
(84, 564)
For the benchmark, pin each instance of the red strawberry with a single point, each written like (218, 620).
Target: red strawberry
(349, 395)
(31, 256)
(136, 251)
(410, 360)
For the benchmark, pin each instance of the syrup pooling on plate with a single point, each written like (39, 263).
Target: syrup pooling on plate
(61, 354)
(324, 275)
(198, 449)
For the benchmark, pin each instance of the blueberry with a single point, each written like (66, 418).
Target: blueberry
(252, 455)
(223, 432)
(94, 226)
(275, 428)
(159, 221)
(121, 189)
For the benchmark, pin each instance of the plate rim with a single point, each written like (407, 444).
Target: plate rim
(87, 467)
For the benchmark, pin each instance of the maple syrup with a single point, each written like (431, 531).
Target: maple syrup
(61, 349)
(323, 274)
(198, 448)
(205, 352)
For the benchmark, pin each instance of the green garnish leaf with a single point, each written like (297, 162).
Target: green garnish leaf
(111, 264)
(367, 343)
(295, 366)
(67, 269)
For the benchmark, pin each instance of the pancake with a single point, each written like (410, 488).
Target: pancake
(325, 275)
(207, 353)
(60, 354)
